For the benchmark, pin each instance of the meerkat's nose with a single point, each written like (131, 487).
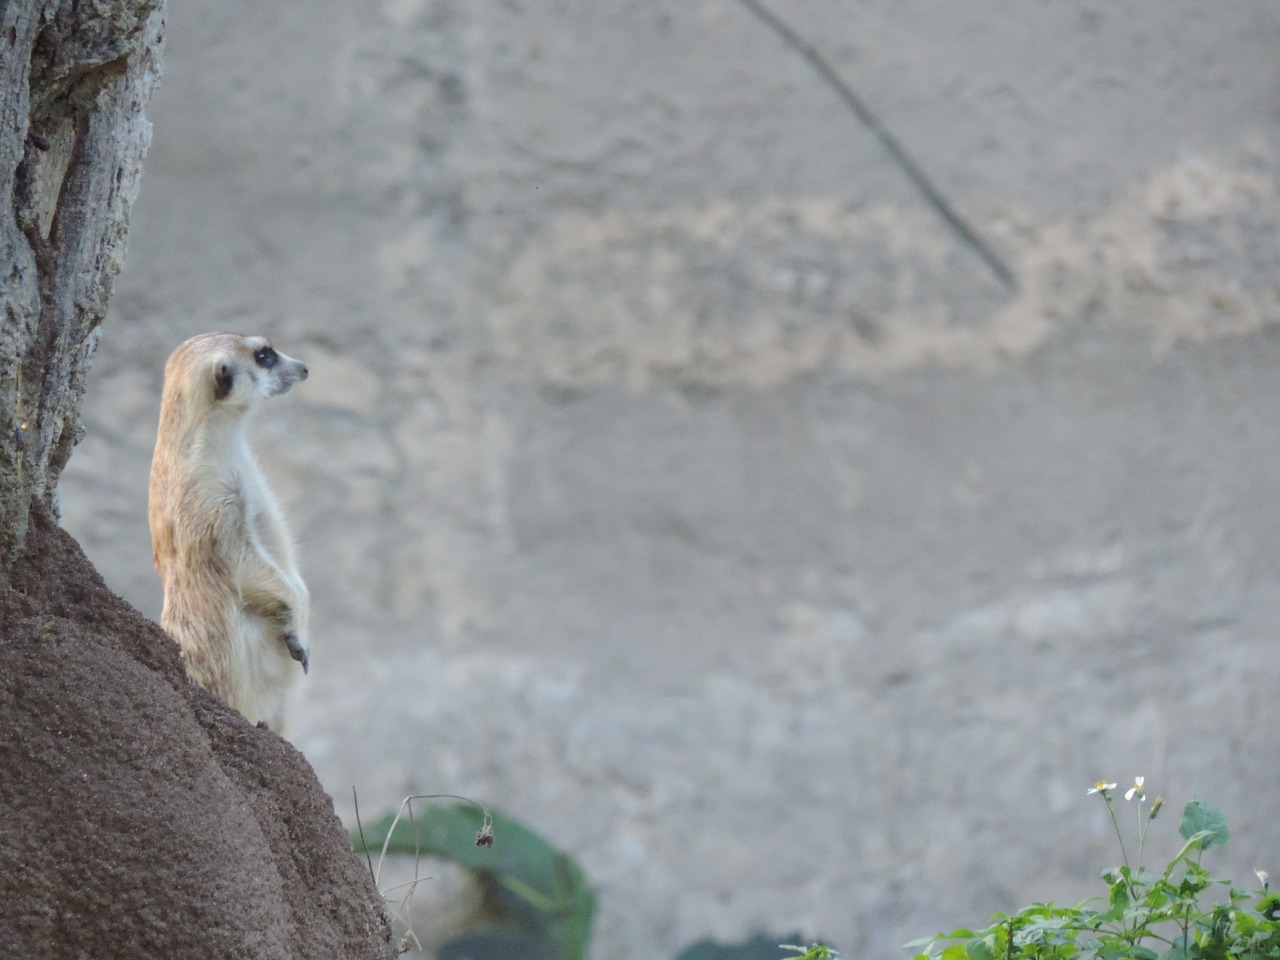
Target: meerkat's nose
(302, 374)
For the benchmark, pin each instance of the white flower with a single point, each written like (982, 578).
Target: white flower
(1136, 790)
(1101, 786)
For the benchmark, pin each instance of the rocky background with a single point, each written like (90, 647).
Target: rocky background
(674, 478)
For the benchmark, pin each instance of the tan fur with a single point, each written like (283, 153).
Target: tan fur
(233, 599)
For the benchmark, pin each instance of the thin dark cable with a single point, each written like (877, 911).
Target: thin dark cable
(931, 194)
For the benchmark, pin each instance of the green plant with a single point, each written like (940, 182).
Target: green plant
(538, 897)
(1145, 916)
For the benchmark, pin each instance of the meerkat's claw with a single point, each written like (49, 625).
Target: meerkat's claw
(298, 651)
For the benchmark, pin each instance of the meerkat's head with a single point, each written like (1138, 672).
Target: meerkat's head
(230, 372)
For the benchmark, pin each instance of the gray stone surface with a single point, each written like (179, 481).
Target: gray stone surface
(672, 478)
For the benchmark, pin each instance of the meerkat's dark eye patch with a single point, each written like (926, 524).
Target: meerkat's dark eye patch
(223, 379)
(266, 358)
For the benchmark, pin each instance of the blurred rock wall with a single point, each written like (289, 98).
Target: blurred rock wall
(670, 475)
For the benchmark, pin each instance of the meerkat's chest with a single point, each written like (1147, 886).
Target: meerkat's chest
(263, 518)
(244, 494)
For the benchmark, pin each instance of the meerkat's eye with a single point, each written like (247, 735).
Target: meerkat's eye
(266, 358)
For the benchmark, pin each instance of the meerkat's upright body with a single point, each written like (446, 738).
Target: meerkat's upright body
(233, 599)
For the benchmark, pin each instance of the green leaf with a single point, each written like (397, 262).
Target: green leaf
(1199, 817)
(979, 949)
(532, 881)
(1115, 950)
(922, 942)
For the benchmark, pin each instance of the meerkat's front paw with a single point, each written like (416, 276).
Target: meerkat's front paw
(297, 650)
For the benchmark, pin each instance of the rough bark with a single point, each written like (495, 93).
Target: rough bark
(74, 77)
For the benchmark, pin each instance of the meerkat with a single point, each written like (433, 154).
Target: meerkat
(233, 599)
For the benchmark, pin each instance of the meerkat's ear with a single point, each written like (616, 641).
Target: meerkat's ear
(223, 379)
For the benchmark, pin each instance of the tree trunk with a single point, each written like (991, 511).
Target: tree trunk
(74, 77)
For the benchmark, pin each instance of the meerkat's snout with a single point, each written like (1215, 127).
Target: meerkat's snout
(281, 371)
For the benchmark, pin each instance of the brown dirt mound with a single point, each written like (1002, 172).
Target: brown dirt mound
(139, 816)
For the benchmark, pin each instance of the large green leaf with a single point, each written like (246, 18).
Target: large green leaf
(534, 883)
(1200, 817)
